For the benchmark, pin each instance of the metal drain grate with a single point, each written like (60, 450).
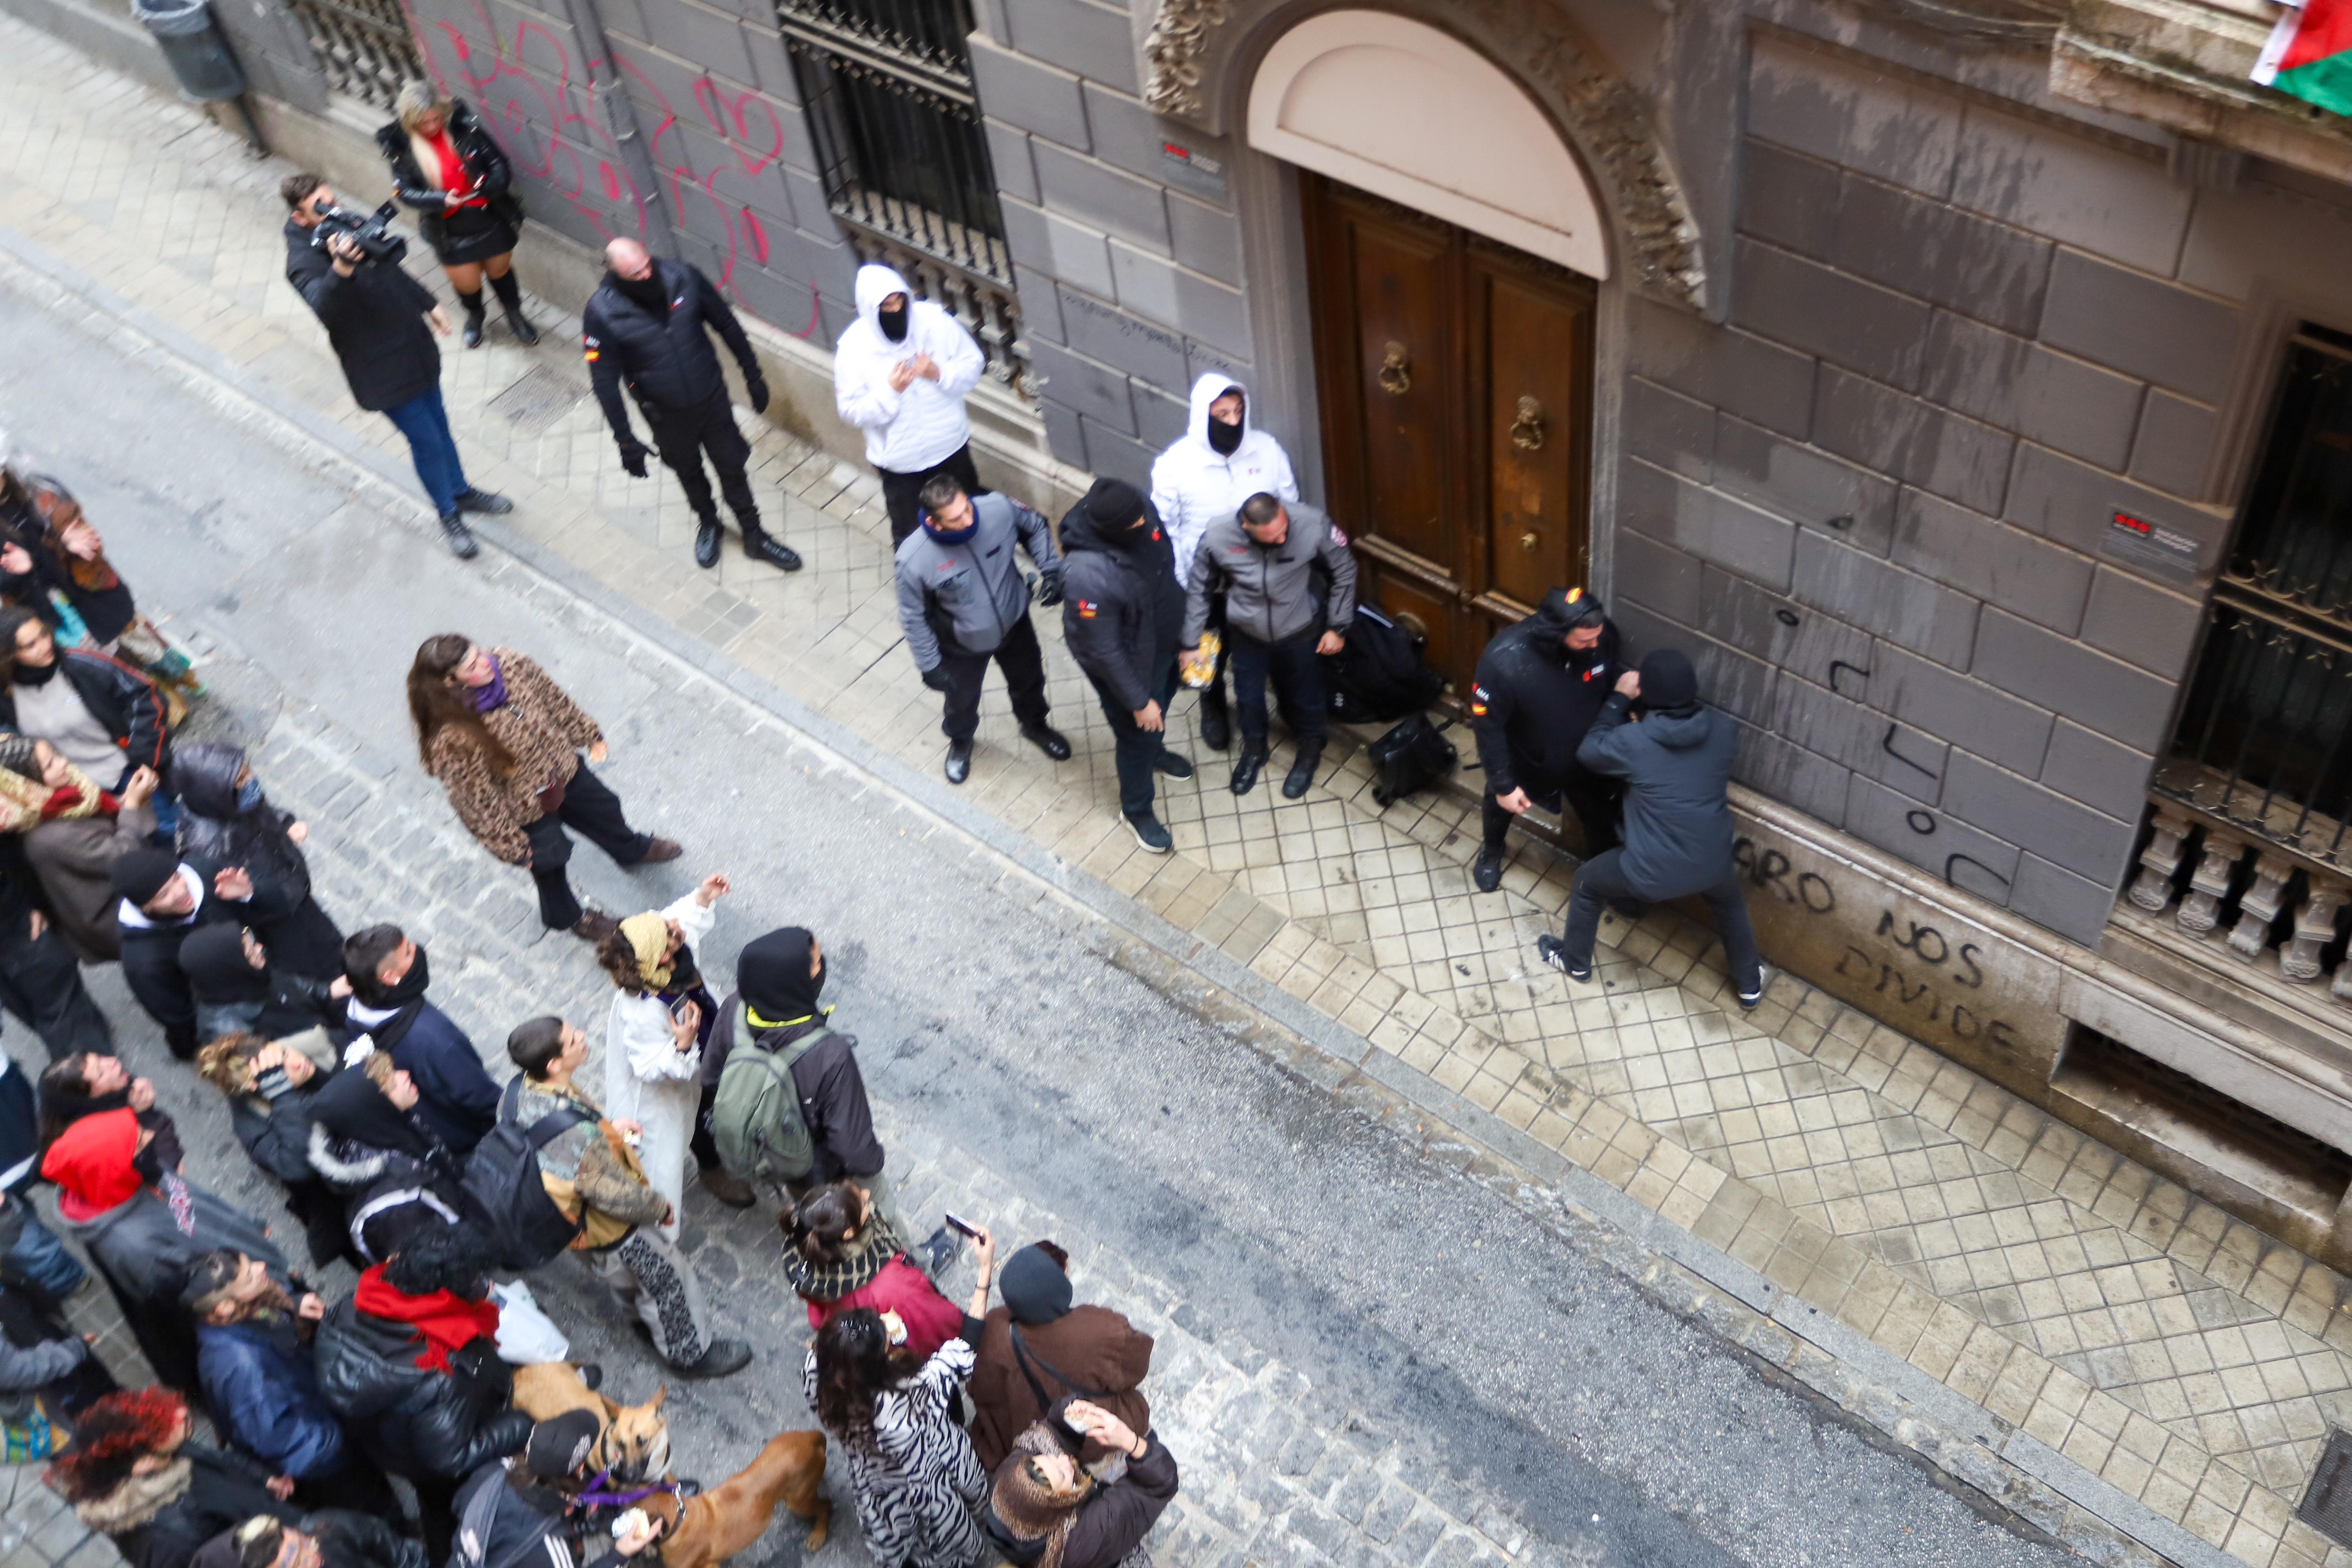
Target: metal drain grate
(538, 400)
(2327, 1504)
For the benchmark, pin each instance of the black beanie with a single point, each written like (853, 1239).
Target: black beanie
(1034, 1286)
(1668, 682)
(141, 874)
(1114, 503)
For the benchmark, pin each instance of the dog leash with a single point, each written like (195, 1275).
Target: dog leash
(596, 1496)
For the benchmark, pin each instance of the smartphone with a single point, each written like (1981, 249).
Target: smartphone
(957, 1222)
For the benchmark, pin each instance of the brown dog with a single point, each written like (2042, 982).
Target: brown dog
(708, 1530)
(634, 1441)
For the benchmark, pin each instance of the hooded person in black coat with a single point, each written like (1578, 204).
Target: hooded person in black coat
(1676, 759)
(240, 988)
(392, 1172)
(1123, 617)
(1540, 685)
(226, 821)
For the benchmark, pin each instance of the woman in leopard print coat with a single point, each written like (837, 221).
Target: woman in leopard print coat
(505, 741)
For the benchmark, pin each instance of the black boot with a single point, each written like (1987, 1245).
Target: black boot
(760, 544)
(1486, 871)
(1216, 721)
(1302, 772)
(473, 304)
(706, 541)
(1245, 769)
(509, 294)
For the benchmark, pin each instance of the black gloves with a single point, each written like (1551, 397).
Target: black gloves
(936, 677)
(757, 386)
(1049, 589)
(633, 458)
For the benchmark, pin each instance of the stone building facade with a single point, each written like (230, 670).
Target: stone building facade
(1962, 381)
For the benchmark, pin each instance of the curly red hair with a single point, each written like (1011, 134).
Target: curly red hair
(114, 1434)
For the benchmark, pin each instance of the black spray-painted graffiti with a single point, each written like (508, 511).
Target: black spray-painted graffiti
(1920, 968)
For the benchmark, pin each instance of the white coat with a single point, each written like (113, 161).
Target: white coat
(1193, 486)
(905, 432)
(650, 1082)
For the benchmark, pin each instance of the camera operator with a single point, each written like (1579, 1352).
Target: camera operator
(375, 317)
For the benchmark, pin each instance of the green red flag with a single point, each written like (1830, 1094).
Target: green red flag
(2310, 54)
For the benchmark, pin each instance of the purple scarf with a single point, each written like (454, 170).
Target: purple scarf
(494, 696)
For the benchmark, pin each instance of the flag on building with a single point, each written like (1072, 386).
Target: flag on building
(2310, 54)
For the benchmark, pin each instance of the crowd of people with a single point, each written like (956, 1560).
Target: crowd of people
(361, 1427)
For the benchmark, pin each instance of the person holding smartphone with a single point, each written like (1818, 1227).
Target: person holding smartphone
(660, 1019)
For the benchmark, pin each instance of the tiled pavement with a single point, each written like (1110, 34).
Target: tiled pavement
(1276, 1469)
(2177, 1355)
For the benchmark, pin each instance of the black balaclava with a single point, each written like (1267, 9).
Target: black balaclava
(893, 322)
(1224, 439)
(1669, 683)
(1115, 505)
(648, 292)
(772, 973)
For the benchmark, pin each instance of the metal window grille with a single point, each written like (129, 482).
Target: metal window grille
(2253, 807)
(904, 156)
(363, 45)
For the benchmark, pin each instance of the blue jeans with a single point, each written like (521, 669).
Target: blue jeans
(425, 421)
(39, 1257)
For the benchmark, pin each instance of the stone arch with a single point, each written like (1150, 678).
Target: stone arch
(1199, 55)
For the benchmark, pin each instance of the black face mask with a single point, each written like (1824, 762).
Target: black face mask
(34, 675)
(647, 291)
(149, 1163)
(893, 323)
(1224, 439)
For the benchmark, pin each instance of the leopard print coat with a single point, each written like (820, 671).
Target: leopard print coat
(544, 729)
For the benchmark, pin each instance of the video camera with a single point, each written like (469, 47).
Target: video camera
(373, 233)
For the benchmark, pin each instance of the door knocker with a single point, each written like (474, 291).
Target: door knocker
(1396, 370)
(1527, 430)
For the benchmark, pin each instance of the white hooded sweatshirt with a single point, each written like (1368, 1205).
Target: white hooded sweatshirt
(1193, 487)
(905, 432)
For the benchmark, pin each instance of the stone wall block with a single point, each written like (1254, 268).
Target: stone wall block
(2087, 766)
(709, 38)
(1846, 320)
(2134, 620)
(1195, 306)
(1912, 440)
(1835, 110)
(1205, 238)
(1673, 432)
(2174, 445)
(1859, 738)
(2062, 830)
(1008, 153)
(1780, 631)
(1790, 200)
(1942, 254)
(1094, 41)
(1965, 857)
(1967, 713)
(1786, 772)
(2075, 505)
(1023, 92)
(1043, 242)
(2144, 326)
(1660, 577)
(1707, 523)
(2076, 191)
(2020, 386)
(2075, 907)
(1737, 372)
(1992, 560)
(2120, 701)
(1740, 686)
(1804, 484)
(1102, 197)
(1150, 353)
(1901, 606)
(1093, 390)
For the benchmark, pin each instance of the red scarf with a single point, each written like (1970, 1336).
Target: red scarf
(444, 1318)
(452, 176)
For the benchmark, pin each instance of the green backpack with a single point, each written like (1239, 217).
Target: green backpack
(755, 1117)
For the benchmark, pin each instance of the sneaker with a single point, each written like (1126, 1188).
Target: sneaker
(728, 1187)
(1150, 834)
(959, 767)
(1047, 739)
(772, 549)
(1486, 871)
(659, 851)
(719, 1358)
(594, 926)
(1749, 1000)
(1554, 952)
(940, 1251)
(459, 537)
(488, 503)
(1173, 766)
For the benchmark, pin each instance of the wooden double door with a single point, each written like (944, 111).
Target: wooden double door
(1456, 376)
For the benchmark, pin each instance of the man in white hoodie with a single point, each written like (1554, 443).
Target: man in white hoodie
(1219, 462)
(900, 373)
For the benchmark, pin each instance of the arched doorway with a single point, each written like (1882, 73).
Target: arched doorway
(1452, 248)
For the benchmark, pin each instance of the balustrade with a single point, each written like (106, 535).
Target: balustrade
(363, 47)
(2277, 912)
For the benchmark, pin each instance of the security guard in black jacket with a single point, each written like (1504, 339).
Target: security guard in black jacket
(644, 325)
(1121, 615)
(1538, 687)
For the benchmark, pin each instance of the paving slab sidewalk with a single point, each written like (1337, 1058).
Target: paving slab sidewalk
(1830, 1189)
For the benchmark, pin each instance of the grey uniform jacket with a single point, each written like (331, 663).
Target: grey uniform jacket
(1270, 589)
(963, 598)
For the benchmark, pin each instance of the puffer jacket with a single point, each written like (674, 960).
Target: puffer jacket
(905, 432)
(477, 150)
(963, 598)
(126, 702)
(1677, 773)
(1534, 699)
(1122, 608)
(667, 359)
(1193, 484)
(1270, 590)
(410, 1419)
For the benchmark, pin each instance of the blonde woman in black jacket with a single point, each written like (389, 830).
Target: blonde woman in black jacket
(446, 166)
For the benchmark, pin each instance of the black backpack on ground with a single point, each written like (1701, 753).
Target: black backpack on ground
(1412, 756)
(496, 1528)
(1379, 675)
(521, 1224)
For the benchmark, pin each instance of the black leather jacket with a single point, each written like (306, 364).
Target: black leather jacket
(119, 698)
(476, 149)
(410, 1419)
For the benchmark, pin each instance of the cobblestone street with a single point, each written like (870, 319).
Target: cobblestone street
(2125, 1367)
